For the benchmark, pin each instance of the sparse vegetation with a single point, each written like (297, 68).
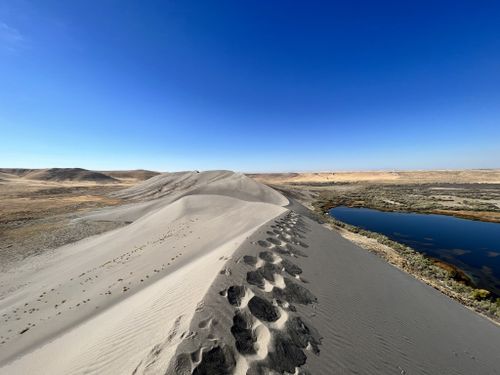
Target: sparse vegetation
(480, 294)
(471, 201)
(37, 216)
(453, 193)
(444, 279)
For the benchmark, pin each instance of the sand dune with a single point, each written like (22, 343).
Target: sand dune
(297, 298)
(126, 286)
(215, 276)
(174, 185)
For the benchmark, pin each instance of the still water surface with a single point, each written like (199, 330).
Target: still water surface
(472, 246)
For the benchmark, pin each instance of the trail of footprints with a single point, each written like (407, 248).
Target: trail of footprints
(268, 331)
(17, 315)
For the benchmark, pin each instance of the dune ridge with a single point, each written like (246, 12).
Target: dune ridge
(177, 184)
(296, 298)
(133, 280)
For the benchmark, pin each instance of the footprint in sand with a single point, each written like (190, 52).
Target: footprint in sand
(269, 309)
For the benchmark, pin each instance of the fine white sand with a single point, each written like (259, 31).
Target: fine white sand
(99, 305)
(215, 276)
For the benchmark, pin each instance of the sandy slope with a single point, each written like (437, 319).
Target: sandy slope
(298, 298)
(216, 277)
(107, 300)
(174, 185)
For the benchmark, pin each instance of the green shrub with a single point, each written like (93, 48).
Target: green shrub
(479, 294)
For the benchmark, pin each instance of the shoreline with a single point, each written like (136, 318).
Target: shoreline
(463, 214)
(437, 274)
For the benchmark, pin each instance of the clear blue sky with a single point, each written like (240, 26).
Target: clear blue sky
(250, 86)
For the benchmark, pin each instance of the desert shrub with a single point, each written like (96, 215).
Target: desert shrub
(480, 294)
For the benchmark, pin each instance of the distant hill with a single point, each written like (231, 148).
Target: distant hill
(67, 174)
(4, 176)
(20, 172)
(138, 174)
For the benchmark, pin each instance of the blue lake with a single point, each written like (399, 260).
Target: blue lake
(472, 246)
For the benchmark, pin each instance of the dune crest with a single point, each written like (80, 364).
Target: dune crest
(227, 183)
(105, 300)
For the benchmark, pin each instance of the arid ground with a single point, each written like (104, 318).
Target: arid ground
(38, 207)
(471, 194)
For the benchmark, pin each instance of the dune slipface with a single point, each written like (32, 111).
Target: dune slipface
(105, 300)
(227, 183)
(214, 275)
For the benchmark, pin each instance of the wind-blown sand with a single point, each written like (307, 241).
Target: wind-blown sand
(214, 275)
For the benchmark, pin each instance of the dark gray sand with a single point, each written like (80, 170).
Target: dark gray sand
(355, 314)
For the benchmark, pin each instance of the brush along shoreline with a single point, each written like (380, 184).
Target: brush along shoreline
(446, 278)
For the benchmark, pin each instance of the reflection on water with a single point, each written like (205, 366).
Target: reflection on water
(473, 246)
